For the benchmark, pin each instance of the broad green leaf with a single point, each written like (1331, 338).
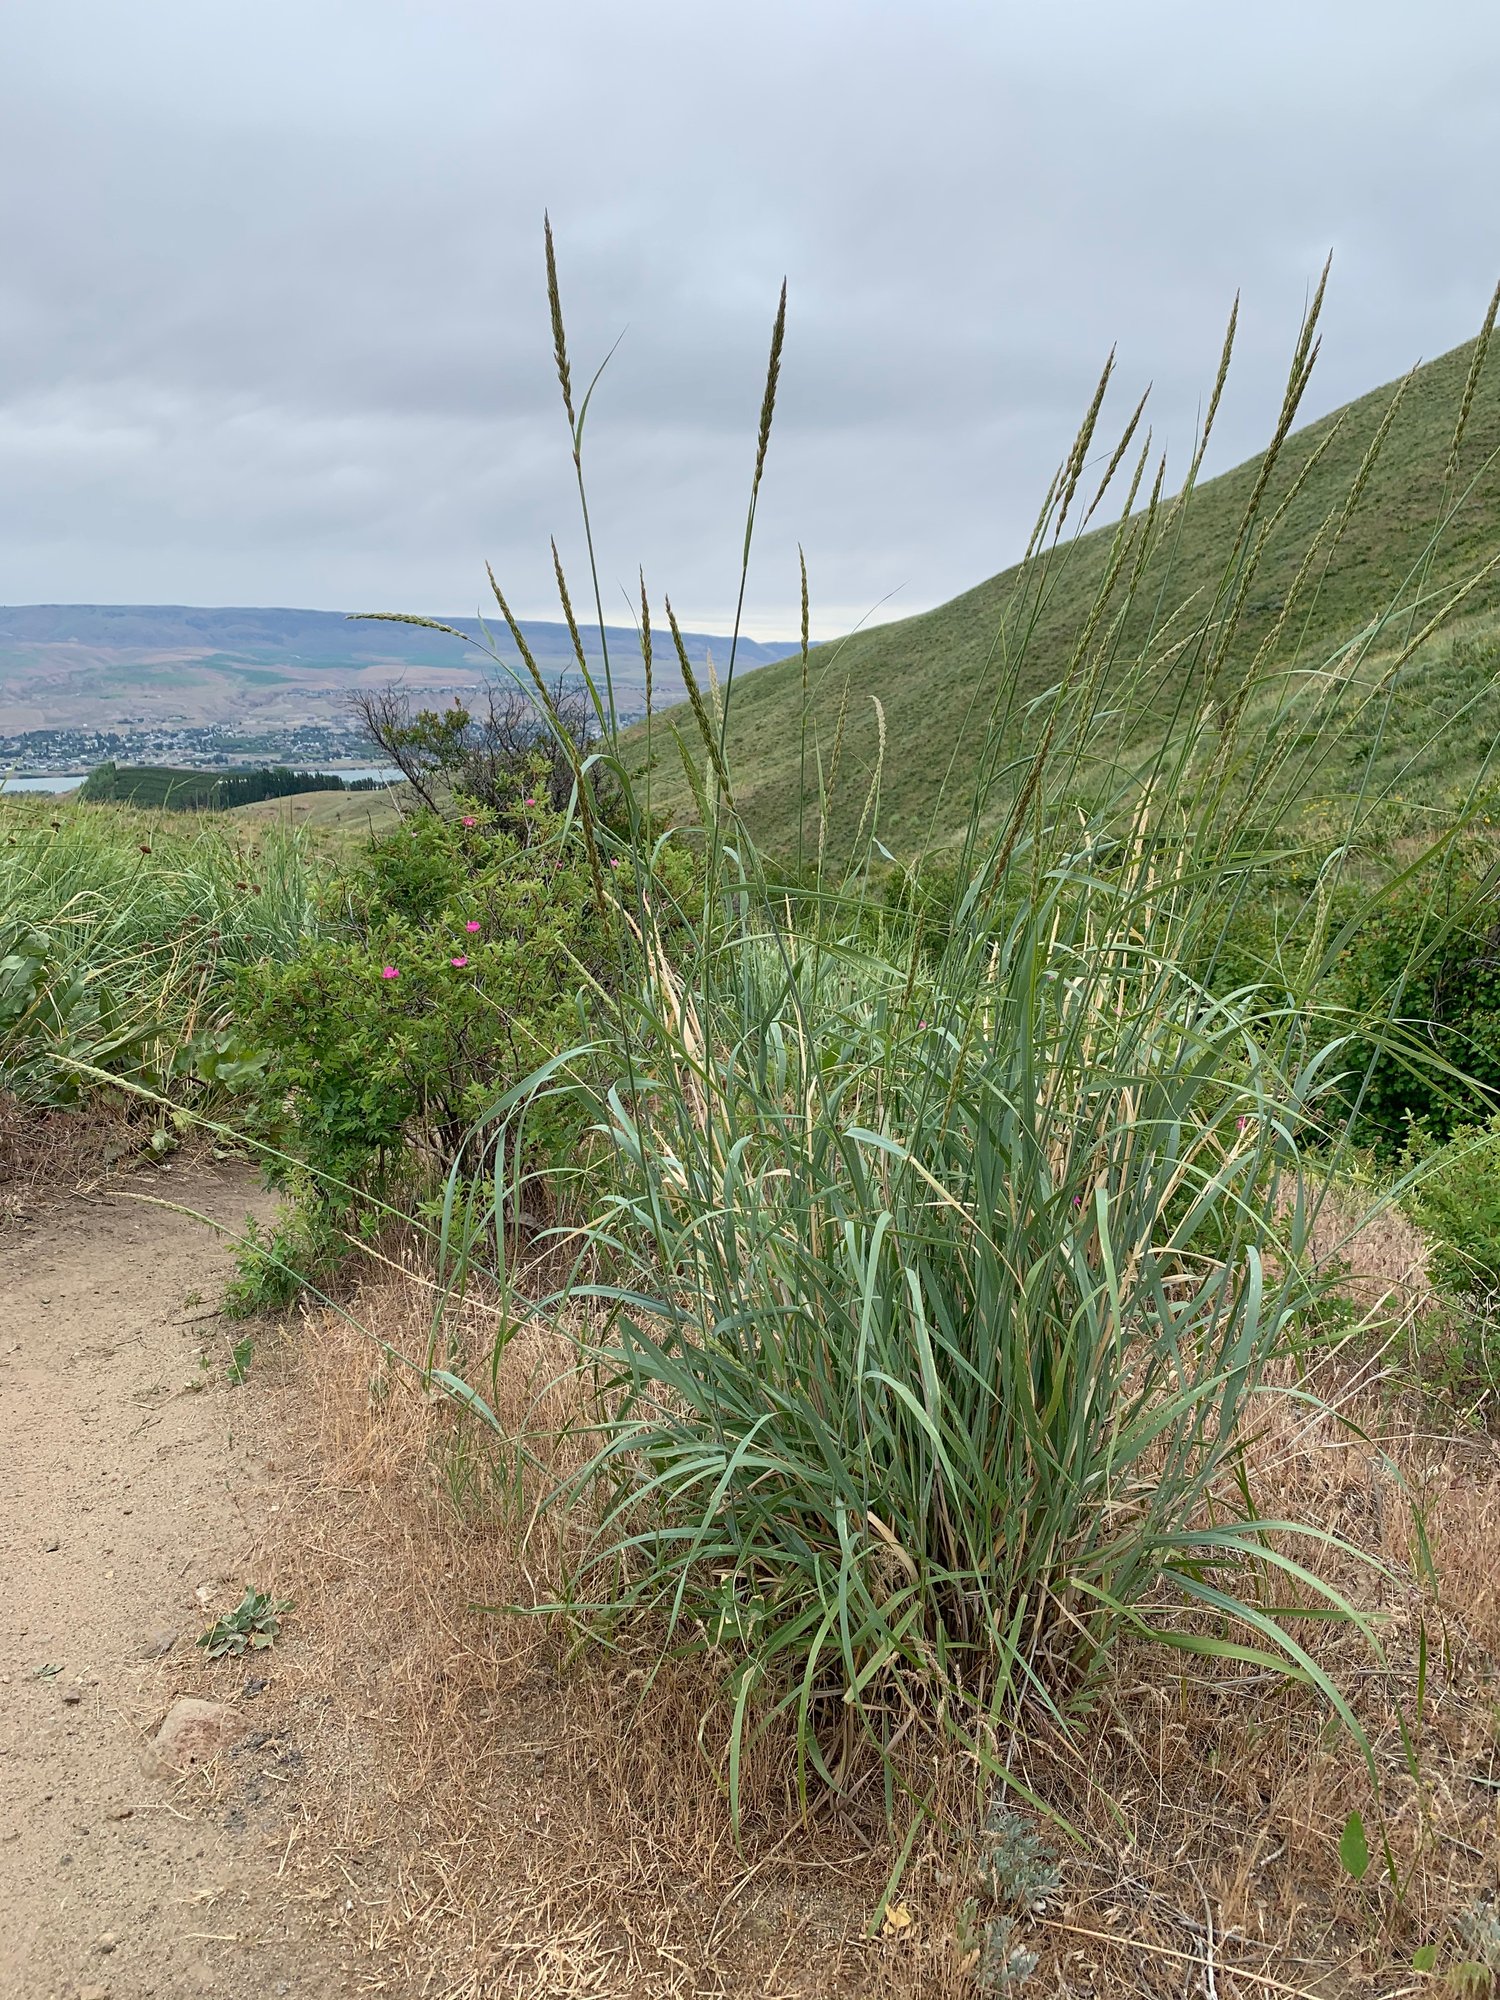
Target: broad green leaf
(1354, 1850)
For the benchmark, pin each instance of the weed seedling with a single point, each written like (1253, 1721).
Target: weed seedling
(250, 1627)
(239, 1361)
(1016, 1875)
(1480, 1930)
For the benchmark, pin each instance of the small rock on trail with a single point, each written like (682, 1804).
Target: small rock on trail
(194, 1730)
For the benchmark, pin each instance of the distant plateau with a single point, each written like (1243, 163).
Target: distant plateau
(189, 684)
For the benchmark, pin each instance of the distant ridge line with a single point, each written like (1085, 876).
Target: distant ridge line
(328, 634)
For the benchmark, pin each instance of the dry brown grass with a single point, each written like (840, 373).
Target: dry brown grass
(509, 1815)
(48, 1156)
(1380, 1255)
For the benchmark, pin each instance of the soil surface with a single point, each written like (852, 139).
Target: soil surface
(134, 1482)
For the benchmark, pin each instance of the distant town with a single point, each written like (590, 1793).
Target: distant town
(64, 752)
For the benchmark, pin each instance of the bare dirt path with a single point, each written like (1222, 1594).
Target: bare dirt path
(133, 1484)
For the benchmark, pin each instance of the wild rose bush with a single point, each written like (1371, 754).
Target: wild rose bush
(452, 961)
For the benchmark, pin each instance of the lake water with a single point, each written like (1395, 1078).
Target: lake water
(56, 782)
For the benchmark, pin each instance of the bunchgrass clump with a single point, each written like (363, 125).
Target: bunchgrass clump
(936, 1287)
(118, 933)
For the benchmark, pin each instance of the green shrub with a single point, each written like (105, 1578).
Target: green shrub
(274, 1266)
(515, 745)
(1455, 1202)
(1427, 959)
(1455, 1355)
(1417, 960)
(925, 897)
(451, 963)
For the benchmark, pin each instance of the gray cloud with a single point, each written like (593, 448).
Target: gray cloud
(272, 327)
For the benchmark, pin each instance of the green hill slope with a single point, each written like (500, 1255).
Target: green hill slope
(938, 675)
(339, 817)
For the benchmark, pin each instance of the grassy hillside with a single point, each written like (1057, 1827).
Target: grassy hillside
(341, 815)
(938, 675)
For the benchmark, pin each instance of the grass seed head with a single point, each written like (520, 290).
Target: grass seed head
(559, 337)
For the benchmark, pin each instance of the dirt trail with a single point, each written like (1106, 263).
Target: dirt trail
(133, 1482)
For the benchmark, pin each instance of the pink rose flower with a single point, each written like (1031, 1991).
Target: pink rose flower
(472, 925)
(389, 972)
(458, 961)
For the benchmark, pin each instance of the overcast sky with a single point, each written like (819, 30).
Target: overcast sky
(273, 326)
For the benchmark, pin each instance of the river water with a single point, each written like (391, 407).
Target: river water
(59, 782)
